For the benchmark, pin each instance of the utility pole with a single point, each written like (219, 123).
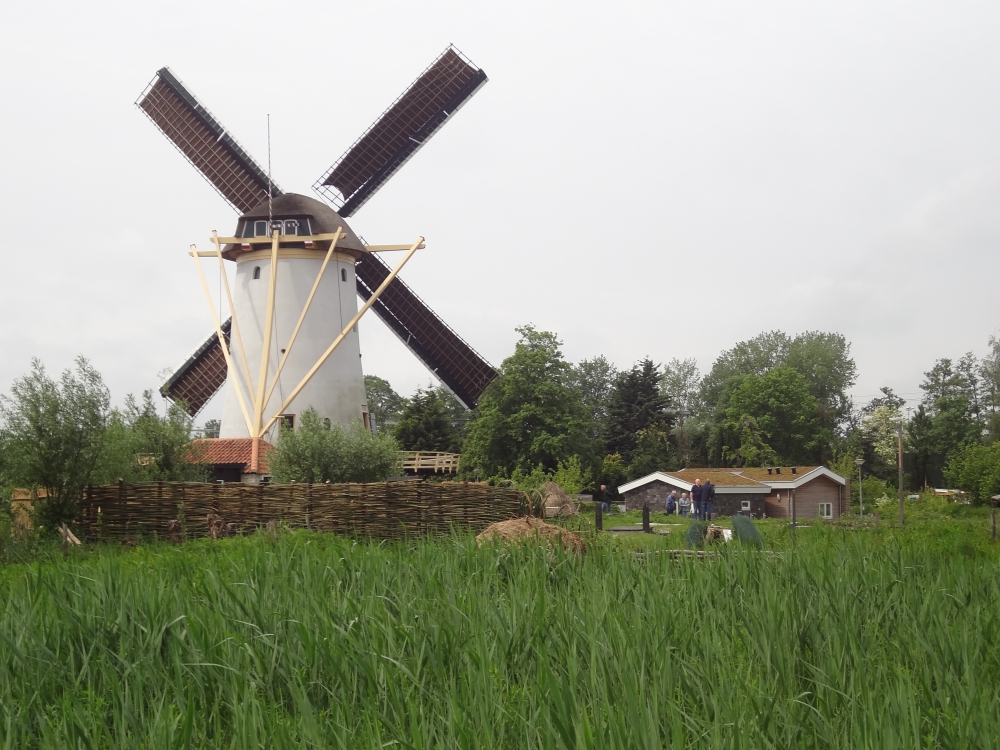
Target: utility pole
(859, 462)
(900, 436)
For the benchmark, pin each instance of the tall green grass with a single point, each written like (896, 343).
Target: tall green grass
(850, 640)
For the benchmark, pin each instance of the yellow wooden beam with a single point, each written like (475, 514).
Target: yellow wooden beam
(265, 354)
(343, 334)
(222, 341)
(232, 311)
(302, 317)
(388, 248)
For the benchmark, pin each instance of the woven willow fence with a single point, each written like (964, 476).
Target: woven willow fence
(385, 510)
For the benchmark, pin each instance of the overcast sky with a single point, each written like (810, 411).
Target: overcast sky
(660, 179)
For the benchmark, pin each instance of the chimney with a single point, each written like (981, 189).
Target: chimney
(777, 469)
(793, 470)
(769, 471)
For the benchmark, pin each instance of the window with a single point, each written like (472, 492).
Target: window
(343, 274)
(256, 272)
(291, 226)
(826, 510)
(260, 229)
(287, 420)
(745, 505)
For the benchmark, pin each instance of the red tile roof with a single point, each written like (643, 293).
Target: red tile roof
(230, 451)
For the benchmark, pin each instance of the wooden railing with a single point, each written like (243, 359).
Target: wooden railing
(431, 461)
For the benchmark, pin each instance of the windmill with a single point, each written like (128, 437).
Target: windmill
(298, 265)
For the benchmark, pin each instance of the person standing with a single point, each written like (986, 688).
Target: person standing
(696, 498)
(684, 505)
(707, 496)
(605, 499)
(671, 502)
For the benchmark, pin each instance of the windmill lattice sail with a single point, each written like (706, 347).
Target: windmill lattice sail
(392, 140)
(443, 352)
(203, 141)
(201, 376)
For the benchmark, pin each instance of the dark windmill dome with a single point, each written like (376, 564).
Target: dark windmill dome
(294, 214)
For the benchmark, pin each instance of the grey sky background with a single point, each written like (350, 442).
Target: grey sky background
(660, 179)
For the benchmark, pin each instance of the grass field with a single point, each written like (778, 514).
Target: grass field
(882, 638)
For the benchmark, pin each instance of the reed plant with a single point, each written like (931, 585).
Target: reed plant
(842, 639)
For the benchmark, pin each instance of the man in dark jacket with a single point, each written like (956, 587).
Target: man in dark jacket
(696, 498)
(605, 499)
(707, 496)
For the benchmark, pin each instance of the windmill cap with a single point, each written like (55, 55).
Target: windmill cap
(322, 220)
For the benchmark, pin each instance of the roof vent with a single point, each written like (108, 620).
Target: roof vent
(777, 469)
(769, 471)
(794, 469)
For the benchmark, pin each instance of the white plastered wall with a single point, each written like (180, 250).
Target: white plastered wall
(337, 390)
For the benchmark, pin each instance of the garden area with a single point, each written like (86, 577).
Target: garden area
(863, 636)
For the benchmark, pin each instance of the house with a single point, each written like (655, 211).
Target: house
(231, 458)
(772, 492)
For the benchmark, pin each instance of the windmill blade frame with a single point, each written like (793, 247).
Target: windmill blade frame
(202, 374)
(400, 131)
(446, 354)
(204, 142)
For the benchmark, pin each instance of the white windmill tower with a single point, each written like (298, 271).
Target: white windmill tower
(292, 341)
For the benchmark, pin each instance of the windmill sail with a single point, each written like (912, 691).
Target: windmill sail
(203, 141)
(443, 352)
(419, 112)
(201, 376)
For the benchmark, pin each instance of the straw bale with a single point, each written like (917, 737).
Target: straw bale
(528, 528)
(556, 502)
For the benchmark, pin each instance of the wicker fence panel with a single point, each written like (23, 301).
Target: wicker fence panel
(388, 510)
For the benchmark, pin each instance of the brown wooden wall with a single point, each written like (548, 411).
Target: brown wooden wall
(807, 499)
(384, 510)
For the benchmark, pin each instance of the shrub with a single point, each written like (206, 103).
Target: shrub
(317, 453)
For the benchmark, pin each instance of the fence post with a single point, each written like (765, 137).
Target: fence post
(598, 517)
(646, 528)
(309, 505)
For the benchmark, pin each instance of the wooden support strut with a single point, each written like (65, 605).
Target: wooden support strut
(232, 310)
(265, 354)
(222, 338)
(319, 276)
(343, 334)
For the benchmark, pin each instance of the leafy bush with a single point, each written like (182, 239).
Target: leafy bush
(318, 453)
(976, 469)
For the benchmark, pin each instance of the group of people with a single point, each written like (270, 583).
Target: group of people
(697, 504)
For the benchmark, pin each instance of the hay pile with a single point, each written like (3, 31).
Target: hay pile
(527, 529)
(556, 502)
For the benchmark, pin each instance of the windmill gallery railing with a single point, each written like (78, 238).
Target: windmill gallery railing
(389, 510)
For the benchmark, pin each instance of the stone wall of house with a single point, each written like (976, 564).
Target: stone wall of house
(653, 494)
(731, 504)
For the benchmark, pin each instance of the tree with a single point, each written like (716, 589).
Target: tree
(653, 452)
(530, 414)
(594, 379)
(752, 448)
(317, 453)
(425, 425)
(879, 439)
(211, 428)
(976, 470)
(636, 403)
(680, 385)
(755, 356)
(825, 362)
(53, 435)
(143, 446)
(784, 416)
(383, 402)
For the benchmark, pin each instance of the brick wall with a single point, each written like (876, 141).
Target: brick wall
(731, 504)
